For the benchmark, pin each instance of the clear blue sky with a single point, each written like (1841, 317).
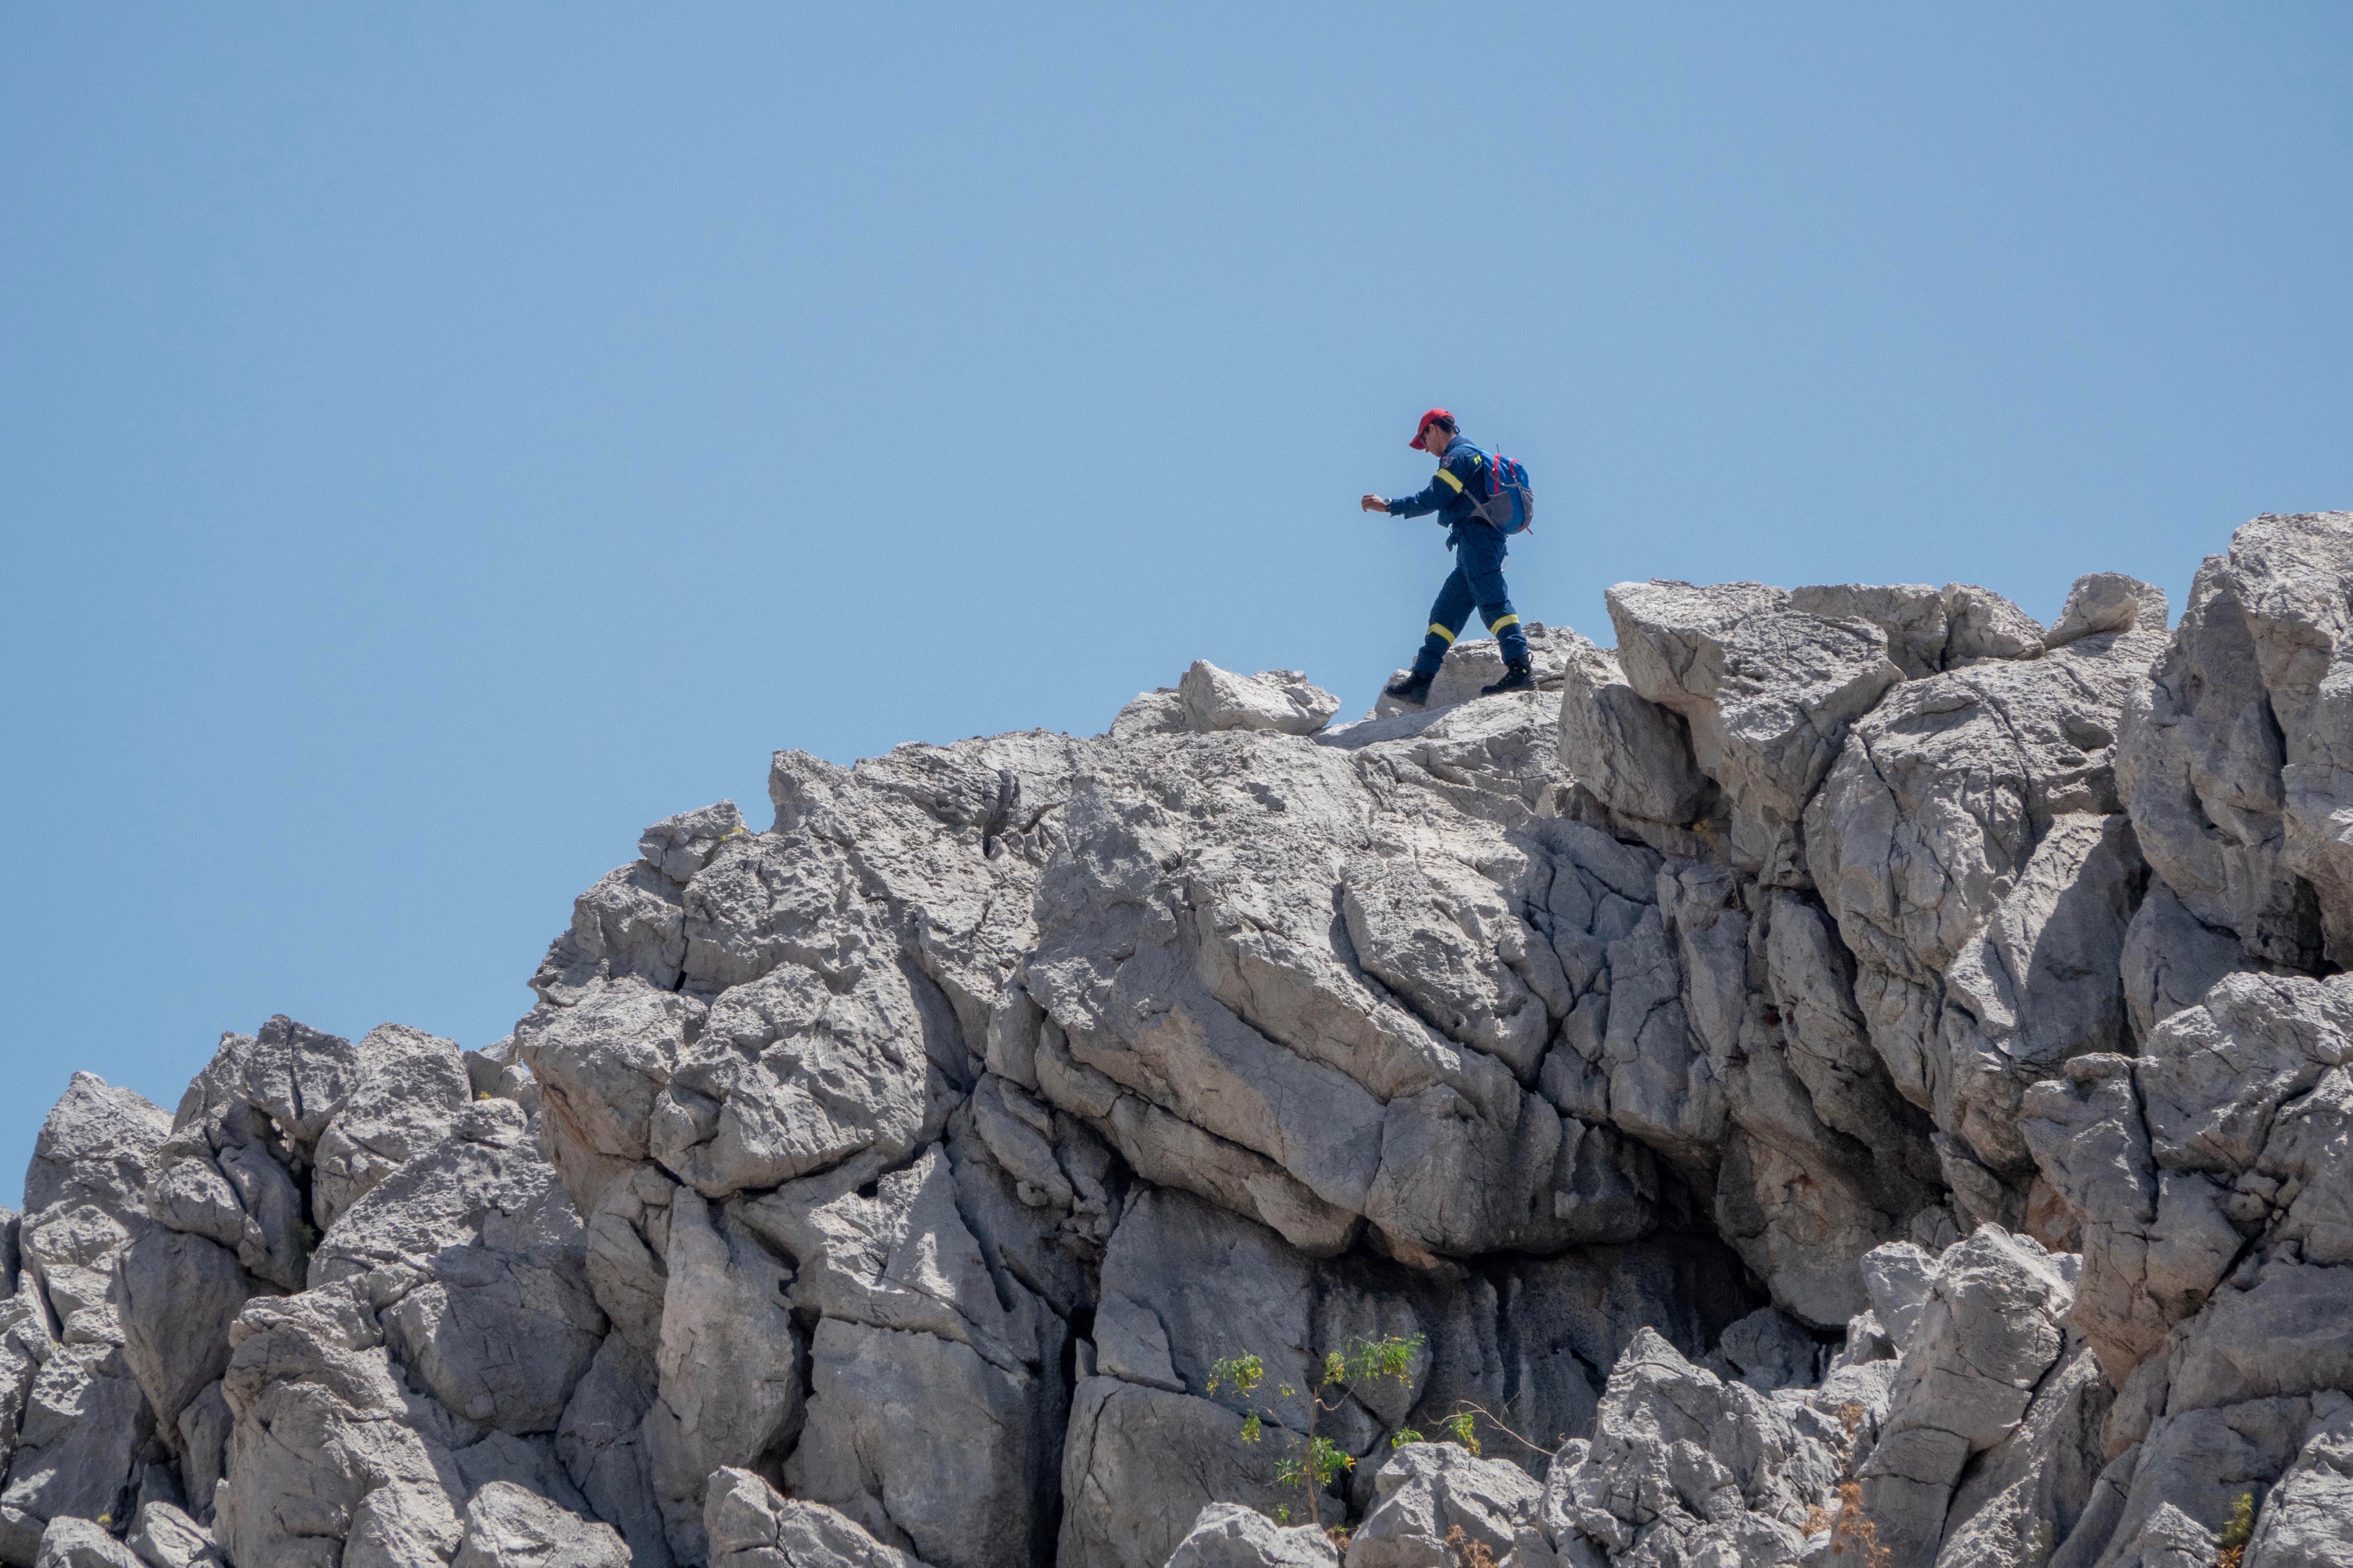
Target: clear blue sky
(436, 441)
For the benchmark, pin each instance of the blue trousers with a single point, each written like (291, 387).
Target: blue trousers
(1477, 579)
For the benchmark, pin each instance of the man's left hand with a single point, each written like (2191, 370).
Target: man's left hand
(1374, 503)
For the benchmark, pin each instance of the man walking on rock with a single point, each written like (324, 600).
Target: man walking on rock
(1462, 482)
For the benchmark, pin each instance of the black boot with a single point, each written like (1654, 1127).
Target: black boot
(1517, 676)
(1413, 689)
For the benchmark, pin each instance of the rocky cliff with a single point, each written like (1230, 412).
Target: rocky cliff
(1847, 1074)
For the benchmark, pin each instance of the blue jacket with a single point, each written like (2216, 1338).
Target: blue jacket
(1454, 492)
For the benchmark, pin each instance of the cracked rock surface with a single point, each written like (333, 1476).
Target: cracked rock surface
(1848, 1074)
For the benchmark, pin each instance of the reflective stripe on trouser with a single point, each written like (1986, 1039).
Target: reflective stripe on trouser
(1477, 579)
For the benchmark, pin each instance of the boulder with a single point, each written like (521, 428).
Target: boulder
(2308, 1516)
(2108, 602)
(2235, 761)
(164, 1536)
(71, 1543)
(1769, 693)
(332, 1454)
(411, 1086)
(1981, 624)
(1988, 1332)
(1634, 755)
(1125, 1504)
(1433, 1498)
(475, 1266)
(602, 1063)
(1228, 1536)
(729, 1384)
(508, 1527)
(1282, 700)
(1923, 842)
(750, 1526)
(1684, 1468)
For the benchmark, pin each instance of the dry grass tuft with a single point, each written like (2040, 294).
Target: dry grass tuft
(1857, 1539)
(1467, 1552)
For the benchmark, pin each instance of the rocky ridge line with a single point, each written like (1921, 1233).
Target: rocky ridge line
(1847, 1070)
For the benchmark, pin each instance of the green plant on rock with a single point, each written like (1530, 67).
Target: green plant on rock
(2232, 1544)
(1313, 1461)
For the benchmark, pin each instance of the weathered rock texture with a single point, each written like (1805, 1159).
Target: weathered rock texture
(1847, 1071)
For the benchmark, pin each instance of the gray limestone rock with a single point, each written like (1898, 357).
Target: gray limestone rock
(2308, 1516)
(476, 1263)
(2108, 601)
(1932, 817)
(530, 1463)
(1186, 1285)
(1981, 624)
(602, 1064)
(2023, 1497)
(2033, 987)
(1474, 662)
(228, 1171)
(333, 1457)
(176, 1296)
(913, 1320)
(164, 1536)
(924, 1442)
(750, 1526)
(2191, 1472)
(1160, 711)
(2292, 576)
(1913, 615)
(794, 1075)
(1617, 1042)
(1493, 760)
(601, 1443)
(1771, 1350)
(298, 1077)
(2234, 759)
(510, 1527)
(205, 1429)
(1125, 1504)
(2223, 1143)
(730, 1390)
(71, 1543)
(2171, 959)
(74, 1421)
(1684, 1467)
(1252, 1021)
(631, 923)
(78, 1442)
(410, 1087)
(94, 1148)
(1279, 700)
(1770, 694)
(1226, 1535)
(679, 847)
(1428, 1492)
(1990, 1332)
(1633, 754)
(1899, 1277)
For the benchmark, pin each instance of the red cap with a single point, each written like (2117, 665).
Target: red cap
(1421, 430)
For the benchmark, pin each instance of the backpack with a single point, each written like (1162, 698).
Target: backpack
(1510, 505)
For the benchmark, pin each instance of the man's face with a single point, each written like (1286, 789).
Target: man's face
(1434, 437)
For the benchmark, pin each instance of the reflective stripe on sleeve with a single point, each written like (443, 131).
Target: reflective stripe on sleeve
(1451, 479)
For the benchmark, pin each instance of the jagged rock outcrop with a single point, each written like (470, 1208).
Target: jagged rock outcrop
(1228, 1536)
(1848, 1073)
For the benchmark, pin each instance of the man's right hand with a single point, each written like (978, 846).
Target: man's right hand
(1374, 503)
